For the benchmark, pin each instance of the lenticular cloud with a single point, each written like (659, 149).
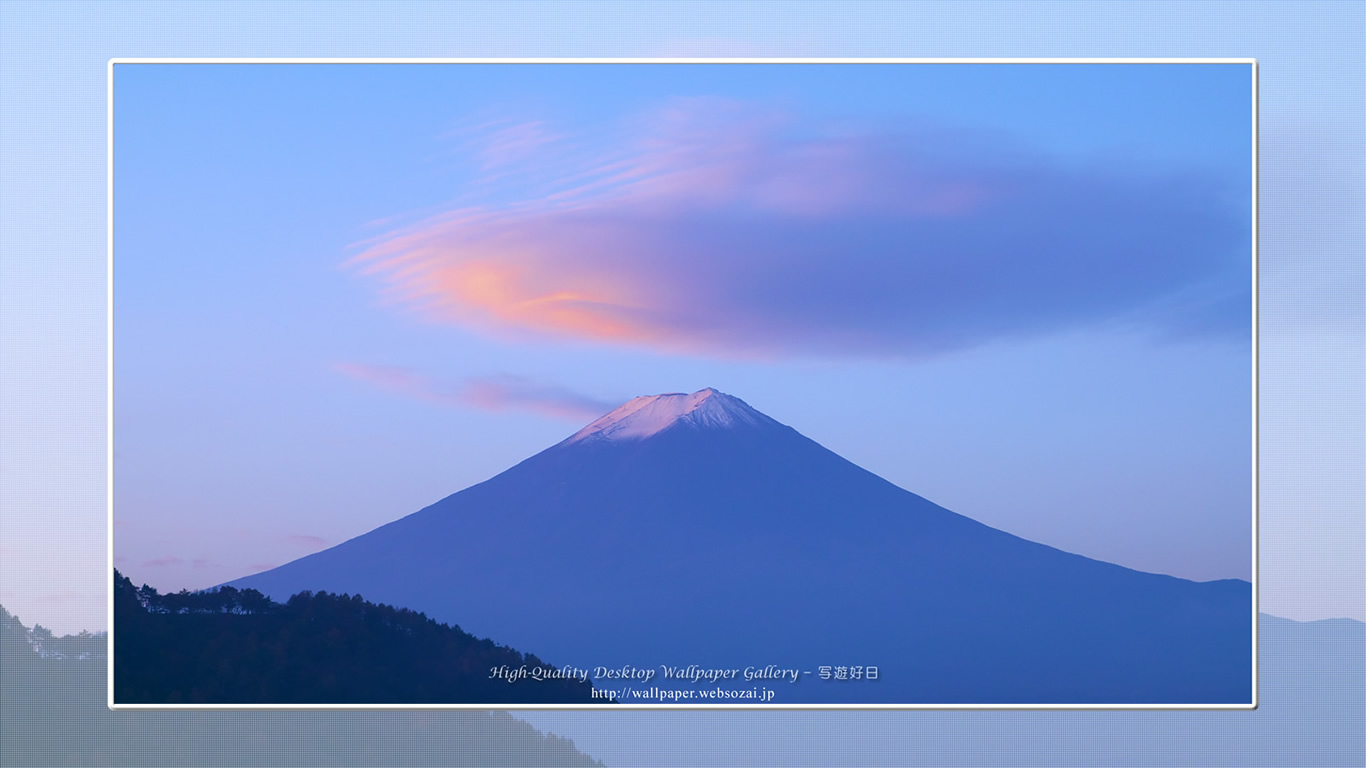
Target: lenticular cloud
(719, 228)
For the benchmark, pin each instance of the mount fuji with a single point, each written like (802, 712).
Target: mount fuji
(692, 529)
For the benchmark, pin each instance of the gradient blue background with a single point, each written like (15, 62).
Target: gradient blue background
(52, 321)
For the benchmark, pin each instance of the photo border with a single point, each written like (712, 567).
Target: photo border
(113, 62)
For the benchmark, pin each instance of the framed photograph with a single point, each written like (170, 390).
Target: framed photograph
(683, 383)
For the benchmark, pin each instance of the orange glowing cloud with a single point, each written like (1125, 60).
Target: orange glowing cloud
(721, 228)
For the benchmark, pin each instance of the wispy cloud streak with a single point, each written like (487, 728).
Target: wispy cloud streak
(489, 393)
(164, 561)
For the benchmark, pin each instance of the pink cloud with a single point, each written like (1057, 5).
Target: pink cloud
(162, 561)
(304, 540)
(505, 392)
(489, 393)
(722, 228)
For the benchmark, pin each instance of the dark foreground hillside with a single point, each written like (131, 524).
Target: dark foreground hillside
(53, 713)
(238, 647)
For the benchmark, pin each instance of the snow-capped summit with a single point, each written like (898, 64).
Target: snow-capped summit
(645, 416)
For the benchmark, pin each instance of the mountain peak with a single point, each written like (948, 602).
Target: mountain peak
(648, 415)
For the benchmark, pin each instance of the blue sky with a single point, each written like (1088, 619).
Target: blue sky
(343, 292)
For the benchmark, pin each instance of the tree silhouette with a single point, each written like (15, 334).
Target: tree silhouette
(230, 646)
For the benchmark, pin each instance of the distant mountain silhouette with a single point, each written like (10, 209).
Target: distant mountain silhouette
(226, 647)
(692, 529)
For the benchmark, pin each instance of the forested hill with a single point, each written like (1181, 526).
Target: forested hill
(53, 712)
(234, 646)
